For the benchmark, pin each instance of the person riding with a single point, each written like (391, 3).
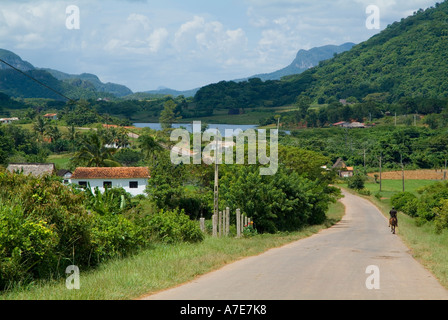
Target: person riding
(393, 214)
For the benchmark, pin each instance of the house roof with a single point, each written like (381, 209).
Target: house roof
(340, 123)
(50, 115)
(63, 172)
(111, 173)
(339, 164)
(36, 169)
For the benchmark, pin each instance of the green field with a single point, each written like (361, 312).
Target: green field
(391, 187)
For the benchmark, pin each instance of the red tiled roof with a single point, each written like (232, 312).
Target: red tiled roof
(111, 173)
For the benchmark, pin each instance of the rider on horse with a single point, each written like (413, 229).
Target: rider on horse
(393, 215)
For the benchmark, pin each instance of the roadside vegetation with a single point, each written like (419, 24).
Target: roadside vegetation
(162, 266)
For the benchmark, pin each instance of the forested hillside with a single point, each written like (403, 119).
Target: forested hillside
(407, 59)
(402, 69)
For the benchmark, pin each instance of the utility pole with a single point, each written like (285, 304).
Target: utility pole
(381, 169)
(402, 169)
(364, 158)
(395, 119)
(216, 193)
(444, 173)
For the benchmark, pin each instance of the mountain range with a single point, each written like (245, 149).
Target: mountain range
(305, 59)
(88, 85)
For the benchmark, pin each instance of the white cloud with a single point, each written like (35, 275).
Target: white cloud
(209, 40)
(145, 44)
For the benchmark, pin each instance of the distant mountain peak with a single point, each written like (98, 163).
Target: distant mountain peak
(305, 59)
(14, 60)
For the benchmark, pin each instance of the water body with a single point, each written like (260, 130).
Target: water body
(189, 126)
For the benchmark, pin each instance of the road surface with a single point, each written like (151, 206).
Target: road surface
(357, 259)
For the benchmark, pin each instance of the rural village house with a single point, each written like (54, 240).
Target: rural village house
(51, 116)
(8, 120)
(342, 169)
(66, 175)
(133, 180)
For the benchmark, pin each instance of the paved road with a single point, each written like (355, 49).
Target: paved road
(330, 265)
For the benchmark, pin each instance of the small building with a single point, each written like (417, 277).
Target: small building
(8, 120)
(66, 175)
(343, 170)
(341, 124)
(51, 116)
(34, 169)
(356, 125)
(132, 179)
(350, 125)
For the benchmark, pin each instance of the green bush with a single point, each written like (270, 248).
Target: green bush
(45, 226)
(441, 220)
(356, 182)
(401, 199)
(115, 236)
(27, 245)
(174, 226)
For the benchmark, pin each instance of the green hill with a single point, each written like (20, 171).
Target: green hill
(85, 86)
(407, 59)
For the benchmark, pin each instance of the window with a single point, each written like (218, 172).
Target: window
(107, 184)
(82, 184)
(133, 184)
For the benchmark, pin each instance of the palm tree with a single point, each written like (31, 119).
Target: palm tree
(94, 153)
(40, 126)
(149, 146)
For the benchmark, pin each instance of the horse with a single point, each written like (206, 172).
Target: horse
(393, 223)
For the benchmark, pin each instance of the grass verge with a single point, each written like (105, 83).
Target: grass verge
(164, 266)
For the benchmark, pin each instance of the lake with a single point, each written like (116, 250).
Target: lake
(189, 126)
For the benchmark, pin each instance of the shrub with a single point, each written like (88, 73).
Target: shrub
(27, 245)
(356, 182)
(115, 236)
(174, 226)
(441, 220)
(45, 226)
(400, 200)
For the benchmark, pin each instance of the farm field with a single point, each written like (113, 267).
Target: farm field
(412, 175)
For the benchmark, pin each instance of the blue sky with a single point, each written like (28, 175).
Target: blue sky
(147, 44)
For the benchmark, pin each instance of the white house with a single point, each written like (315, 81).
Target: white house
(133, 180)
(8, 120)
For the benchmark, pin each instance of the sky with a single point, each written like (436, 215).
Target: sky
(185, 44)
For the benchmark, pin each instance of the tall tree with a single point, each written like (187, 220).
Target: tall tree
(167, 116)
(94, 153)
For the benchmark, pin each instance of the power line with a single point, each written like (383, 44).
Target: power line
(39, 82)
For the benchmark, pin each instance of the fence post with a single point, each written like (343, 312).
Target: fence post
(202, 224)
(220, 224)
(227, 221)
(215, 227)
(238, 223)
